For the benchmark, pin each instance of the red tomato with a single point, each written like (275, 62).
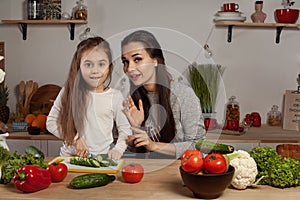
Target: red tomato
(215, 163)
(58, 171)
(191, 161)
(132, 173)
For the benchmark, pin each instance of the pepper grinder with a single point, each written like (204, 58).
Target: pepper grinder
(259, 16)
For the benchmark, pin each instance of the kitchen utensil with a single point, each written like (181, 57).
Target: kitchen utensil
(84, 169)
(30, 88)
(42, 100)
(21, 96)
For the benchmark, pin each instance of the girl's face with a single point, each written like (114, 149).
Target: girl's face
(137, 64)
(94, 66)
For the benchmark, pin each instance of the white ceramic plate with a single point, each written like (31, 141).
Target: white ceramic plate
(240, 18)
(228, 14)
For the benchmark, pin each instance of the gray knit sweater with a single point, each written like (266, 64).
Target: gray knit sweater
(187, 115)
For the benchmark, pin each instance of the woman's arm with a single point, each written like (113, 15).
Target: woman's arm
(188, 118)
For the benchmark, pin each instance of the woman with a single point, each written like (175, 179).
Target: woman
(165, 114)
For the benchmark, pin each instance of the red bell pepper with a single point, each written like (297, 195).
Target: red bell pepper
(31, 178)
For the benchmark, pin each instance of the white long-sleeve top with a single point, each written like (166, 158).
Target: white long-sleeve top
(102, 110)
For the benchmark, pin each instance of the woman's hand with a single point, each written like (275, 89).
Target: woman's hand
(141, 138)
(133, 114)
(114, 154)
(81, 149)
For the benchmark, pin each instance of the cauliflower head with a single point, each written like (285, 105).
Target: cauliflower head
(245, 169)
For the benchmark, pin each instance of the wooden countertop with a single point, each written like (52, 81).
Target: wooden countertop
(27, 136)
(164, 183)
(264, 134)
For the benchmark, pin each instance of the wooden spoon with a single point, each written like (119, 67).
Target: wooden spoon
(22, 96)
(28, 90)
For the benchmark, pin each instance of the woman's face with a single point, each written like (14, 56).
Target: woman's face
(137, 64)
(94, 66)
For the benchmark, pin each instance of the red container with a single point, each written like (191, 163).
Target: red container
(289, 16)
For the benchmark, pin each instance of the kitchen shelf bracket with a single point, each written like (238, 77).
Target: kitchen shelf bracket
(72, 30)
(278, 32)
(229, 33)
(24, 30)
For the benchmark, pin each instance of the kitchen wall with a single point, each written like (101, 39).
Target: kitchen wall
(258, 71)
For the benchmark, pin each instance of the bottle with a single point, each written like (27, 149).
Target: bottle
(258, 15)
(34, 9)
(274, 116)
(232, 114)
(79, 11)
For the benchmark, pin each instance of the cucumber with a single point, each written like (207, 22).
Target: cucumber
(91, 180)
(212, 147)
(88, 162)
(34, 151)
(104, 163)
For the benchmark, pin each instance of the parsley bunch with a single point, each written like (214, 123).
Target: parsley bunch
(277, 172)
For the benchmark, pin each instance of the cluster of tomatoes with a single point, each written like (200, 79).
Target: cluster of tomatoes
(193, 161)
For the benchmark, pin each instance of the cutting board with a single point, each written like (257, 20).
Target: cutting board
(84, 169)
(43, 98)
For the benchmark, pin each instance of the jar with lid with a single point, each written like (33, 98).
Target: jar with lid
(34, 9)
(274, 116)
(80, 11)
(232, 114)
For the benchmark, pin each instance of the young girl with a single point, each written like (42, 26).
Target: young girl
(86, 108)
(169, 109)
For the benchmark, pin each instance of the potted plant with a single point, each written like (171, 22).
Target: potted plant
(286, 15)
(205, 81)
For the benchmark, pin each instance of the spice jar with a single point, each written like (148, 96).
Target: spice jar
(274, 116)
(232, 114)
(80, 11)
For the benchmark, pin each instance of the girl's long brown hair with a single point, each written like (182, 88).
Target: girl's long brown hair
(71, 119)
(163, 79)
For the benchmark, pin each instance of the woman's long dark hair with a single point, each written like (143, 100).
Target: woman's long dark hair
(74, 98)
(163, 79)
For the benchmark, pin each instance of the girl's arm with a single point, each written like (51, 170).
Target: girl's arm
(52, 117)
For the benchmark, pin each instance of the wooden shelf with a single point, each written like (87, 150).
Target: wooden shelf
(278, 26)
(24, 23)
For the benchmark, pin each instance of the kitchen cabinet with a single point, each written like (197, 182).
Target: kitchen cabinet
(256, 136)
(278, 26)
(24, 23)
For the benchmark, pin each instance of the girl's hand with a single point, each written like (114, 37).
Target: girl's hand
(114, 154)
(133, 114)
(141, 138)
(81, 148)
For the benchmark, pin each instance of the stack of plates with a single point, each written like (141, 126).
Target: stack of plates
(229, 16)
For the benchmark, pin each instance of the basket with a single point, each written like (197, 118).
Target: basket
(19, 126)
(289, 150)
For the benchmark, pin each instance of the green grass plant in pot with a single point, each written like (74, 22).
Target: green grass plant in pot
(205, 80)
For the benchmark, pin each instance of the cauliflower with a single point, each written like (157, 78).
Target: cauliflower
(245, 169)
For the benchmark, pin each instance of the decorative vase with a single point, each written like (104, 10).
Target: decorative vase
(259, 15)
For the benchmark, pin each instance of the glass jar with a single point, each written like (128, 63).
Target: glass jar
(79, 11)
(232, 109)
(274, 116)
(34, 10)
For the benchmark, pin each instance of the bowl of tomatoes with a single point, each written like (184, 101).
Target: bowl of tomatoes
(207, 177)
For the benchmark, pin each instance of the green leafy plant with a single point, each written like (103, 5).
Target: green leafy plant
(205, 79)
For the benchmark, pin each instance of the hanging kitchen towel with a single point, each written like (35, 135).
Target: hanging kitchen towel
(291, 118)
